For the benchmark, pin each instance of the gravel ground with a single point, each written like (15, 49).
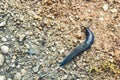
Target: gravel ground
(36, 35)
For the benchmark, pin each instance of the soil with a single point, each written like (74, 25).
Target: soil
(41, 33)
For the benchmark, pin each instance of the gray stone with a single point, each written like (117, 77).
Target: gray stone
(2, 77)
(2, 58)
(17, 76)
(4, 49)
(36, 68)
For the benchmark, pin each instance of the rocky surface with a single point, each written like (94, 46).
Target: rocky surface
(2, 58)
(36, 35)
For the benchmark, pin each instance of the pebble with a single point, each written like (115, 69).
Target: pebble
(31, 51)
(117, 52)
(1, 60)
(4, 49)
(23, 72)
(79, 35)
(9, 79)
(2, 77)
(43, 24)
(22, 37)
(2, 24)
(17, 76)
(3, 39)
(72, 20)
(75, 40)
(36, 68)
(101, 19)
(114, 10)
(64, 77)
(83, 76)
(27, 45)
(12, 65)
(18, 66)
(62, 51)
(37, 78)
(105, 7)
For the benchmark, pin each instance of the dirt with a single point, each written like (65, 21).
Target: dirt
(40, 33)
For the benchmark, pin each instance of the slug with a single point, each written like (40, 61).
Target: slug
(81, 48)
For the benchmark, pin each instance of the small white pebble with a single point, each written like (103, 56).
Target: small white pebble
(2, 24)
(17, 76)
(62, 51)
(3, 39)
(13, 65)
(72, 20)
(2, 77)
(75, 40)
(114, 10)
(12, 60)
(36, 68)
(9, 79)
(21, 37)
(4, 49)
(2, 58)
(105, 7)
(88, 10)
(82, 76)
(18, 66)
(27, 45)
(64, 77)
(101, 19)
(13, 39)
(23, 72)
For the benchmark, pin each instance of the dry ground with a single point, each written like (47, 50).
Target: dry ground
(52, 28)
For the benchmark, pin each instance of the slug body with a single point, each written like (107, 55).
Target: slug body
(81, 48)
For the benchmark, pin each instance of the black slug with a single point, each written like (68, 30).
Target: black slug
(81, 48)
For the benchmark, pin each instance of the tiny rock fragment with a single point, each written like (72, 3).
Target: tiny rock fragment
(31, 51)
(105, 7)
(2, 77)
(22, 37)
(112, 53)
(23, 72)
(62, 51)
(38, 78)
(1, 60)
(75, 40)
(27, 45)
(79, 35)
(114, 10)
(36, 68)
(14, 57)
(117, 52)
(101, 19)
(2, 24)
(29, 33)
(17, 76)
(72, 20)
(64, 77)
(3, 39)
(4, 49)
(43, 24)
(34, 15)
(9, 79)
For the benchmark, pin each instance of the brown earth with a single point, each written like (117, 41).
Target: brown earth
(52, 28)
